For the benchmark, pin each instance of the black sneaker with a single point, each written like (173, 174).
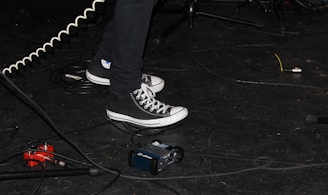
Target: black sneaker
(99, 75)
(142, 109)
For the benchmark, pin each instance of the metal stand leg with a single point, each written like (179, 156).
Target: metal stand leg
(191, 9)
(274, 7)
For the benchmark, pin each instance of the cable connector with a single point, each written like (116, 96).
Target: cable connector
(294, 70)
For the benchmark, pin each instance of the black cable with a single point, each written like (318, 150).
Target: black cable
(66, 164)
(257, 161)
(10, 157)
(72, 78)
(16, 115)
(9, 163)
(41, 178)
(133, 131)
(104, 187)
(41, 181)
(61, 156)
(169, 69)
(44, 115)
(113, 171)
(259, 82)
(118, 174)
(141, 132)
(136, 131)
(73, 131)
(133, 141)
(145, 131)
(166, 187)
(315, 7)
(16, 129)
(3, 162)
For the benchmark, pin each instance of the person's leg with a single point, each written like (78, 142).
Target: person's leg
(131, 100)
(98, 70)
(130, 29)
(130, 35)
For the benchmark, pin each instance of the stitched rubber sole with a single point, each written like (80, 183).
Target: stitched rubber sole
(97, 80)
(159, 122)
(104, 81)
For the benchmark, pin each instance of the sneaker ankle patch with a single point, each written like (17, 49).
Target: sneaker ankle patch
(106, 64)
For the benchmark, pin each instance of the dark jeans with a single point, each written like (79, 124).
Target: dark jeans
(123, 44)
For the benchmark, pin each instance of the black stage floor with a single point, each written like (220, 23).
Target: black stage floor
(253, 127)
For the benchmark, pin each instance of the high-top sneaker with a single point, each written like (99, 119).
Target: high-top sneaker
(100, 75)
(142, 109)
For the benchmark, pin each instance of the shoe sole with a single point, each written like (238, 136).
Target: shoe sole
(160, 122)
(97, 80)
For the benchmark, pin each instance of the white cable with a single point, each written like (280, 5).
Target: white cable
(36, 53)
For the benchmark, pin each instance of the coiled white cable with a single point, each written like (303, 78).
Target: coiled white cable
(38, 51)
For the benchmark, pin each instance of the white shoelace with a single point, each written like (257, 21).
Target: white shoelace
(147, 98)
